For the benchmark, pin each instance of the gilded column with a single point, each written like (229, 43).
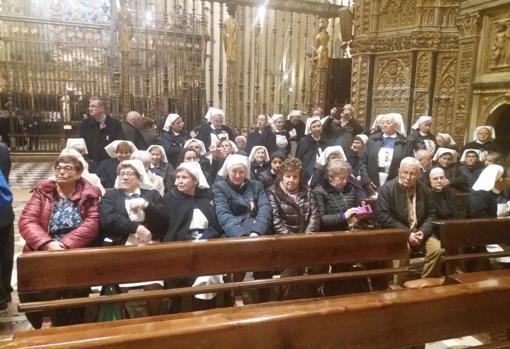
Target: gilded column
(230, 45)
(321, 60)
(125, 34)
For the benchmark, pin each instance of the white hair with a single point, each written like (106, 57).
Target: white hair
(409, 161)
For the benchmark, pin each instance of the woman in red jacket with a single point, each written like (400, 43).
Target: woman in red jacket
(62, 213)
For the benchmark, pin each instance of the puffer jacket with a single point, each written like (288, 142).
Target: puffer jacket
(35, 218)
(290, 216)
(332, 204)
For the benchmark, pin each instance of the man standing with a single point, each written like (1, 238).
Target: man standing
(340, 127)
(99, 130)
(405, 203)
(131, 129)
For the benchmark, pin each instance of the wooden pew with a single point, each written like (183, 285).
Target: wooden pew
(460, 233)
(371, 320)
(42, 271)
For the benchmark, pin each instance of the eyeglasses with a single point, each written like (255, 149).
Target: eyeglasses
(127, 174)
(66, 169)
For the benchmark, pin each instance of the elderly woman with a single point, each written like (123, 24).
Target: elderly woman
(311, 146)
(204, 161)
(259, 158)
(444, 140)
(241, 204)
(193, 218)
(471, 165)
(146, 159)
(355, 154)
(276, 160)
(294, 211)
(295, 125)
(61, 214)
(383, 153)
(446, 159)
(483, 139)
(330, 153)
(173, 137)
(159, 165)
(118, 151)
(90, 177)
(487, 193)
(337, 199)
(262, 134)
(442, 197)
(215, 129)
(133, 213)
(282, 135)
(421, 137)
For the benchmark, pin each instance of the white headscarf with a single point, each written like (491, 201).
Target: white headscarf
(377, 121)
(145, 182)
(324, 156)
(275, 118)
(92, 178)
(233, 160)
(212, 112)
(77, 144)
(235, 149)
(196, 171)
(309, 123)
(399, 123)
(295, 113)
(490, 128)
(161, 150)
(477, 151)
(442, 151)
(199, 142)
(111, 148)
(254, 150)
(448, 139)
(422, 119)
(170, 119)
(488, 178)
(363, 137)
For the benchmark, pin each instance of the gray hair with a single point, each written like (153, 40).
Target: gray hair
(420, 154)
(144, 156)
(337, 166)
(410, 161)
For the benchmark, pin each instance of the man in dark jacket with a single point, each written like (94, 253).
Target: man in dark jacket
(99, 130)
(340, 127)
(405, 203)
(131, 129)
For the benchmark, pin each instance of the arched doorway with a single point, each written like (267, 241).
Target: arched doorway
(500, 120)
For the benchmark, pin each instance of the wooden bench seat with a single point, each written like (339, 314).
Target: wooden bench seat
(371, 320)
(458, 234)
(42, 271)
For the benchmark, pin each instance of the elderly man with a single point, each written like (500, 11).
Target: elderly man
(99, 130)
(340, 127)
(425, 159)
(131, 128)
(405, 203)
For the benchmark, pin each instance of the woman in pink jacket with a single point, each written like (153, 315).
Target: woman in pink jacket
(62, 213)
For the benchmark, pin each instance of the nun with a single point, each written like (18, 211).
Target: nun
(421, 137)
(487, 193)
(446, 159)
(159, 165)
(483, 139)
(173, 137)
(118, 151)
(259, 162)
(215, 129)
(311, 146)
(80, 146)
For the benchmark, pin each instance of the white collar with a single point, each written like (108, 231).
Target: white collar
(390, 136)
(137, 191)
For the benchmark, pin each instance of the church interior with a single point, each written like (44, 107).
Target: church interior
(444, 60)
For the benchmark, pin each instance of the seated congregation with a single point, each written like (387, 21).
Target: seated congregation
(210, 187)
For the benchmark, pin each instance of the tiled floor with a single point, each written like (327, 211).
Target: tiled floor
(25, 175)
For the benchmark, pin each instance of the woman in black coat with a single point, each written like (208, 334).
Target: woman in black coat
(311, 146)
(132, 213)
(442, 197)
(262, 135)
(487, 193)
(173, 137)
(215, 129)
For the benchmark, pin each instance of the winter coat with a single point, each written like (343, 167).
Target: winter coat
(445, 203)
(307, 152)
(267, 178)
(167, 172)
(35, 218)
(471, 172)
(300, 129)
(204, 134)
(483, 204)
(418, 140)
(257, 169)
(266, 138)
(333, 203)
(115, 222)
(243, 210)
(318, 176)
(392, 207)
(173, 144)
(369, 166)
(487, 146)
(458, 181)
(96, 138)
(134, 135)
(107, 172)
(290, 216)
(180, 208)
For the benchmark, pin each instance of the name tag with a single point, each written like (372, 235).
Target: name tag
(107, 137)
